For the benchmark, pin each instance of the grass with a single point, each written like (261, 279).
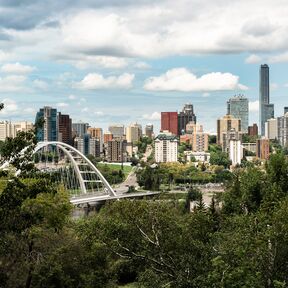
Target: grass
(126, 169)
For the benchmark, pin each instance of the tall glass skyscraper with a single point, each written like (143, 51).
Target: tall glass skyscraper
(49, 131)
(266, 110)
(238, 108)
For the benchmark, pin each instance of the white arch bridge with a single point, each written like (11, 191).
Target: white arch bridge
(77, 173)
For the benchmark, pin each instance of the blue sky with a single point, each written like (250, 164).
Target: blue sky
(123, 61)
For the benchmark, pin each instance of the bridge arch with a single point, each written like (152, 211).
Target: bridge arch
(74, 155)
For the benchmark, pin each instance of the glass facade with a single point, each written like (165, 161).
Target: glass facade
(266, 110)
(238, 107)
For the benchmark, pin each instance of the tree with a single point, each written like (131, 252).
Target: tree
(220, 158)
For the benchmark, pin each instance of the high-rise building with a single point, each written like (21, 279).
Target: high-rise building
(285, 110)
(133, 133)
(263, 148)
(149, 130)
(238, 108)
(79, 129)
(184, 117)
(49, 130)
(169, 122)
(271, 129)
(224, 125)
(253, 130)
(6, 130)
(116, 150)
(282, 123)
(107, 137)
(235, 152)
(64, 128)
(117, 130)
(9, 129)
(166, 148)
(88, 145)
(266, 110)
(98, 134)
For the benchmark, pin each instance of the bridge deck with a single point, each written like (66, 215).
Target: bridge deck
(83, 199)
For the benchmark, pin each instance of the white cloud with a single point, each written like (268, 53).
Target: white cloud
(40, 84)
(205, 94)
(278, 58)
(10, 107)
(12, 83)
(17, 68)
(181, 79)
(153, 116)
(72, 97)
(85, 62)
(274, 86)
(254, 106)
(142, 65)
(62, 104)
(97, 81)
(99, 113)
(253, 58)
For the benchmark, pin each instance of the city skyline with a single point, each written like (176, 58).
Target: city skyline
(131, 70)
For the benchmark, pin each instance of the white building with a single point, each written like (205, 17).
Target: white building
(283, 129)
(199, 156)
(166, 148)
(235, 152)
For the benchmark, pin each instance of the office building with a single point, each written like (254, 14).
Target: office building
(184, 117)
(238, 107)
(116, 150)
(228, 136)
(79, 129)
(285, 110)
(64, 128)
(282, 123)
(149, 131)
(88, 145)
(253, 130)
(271, 129)
(166, 148)
(169, 122)
(98, 134)
(49, 130)
(224, 125)
(266, 110)
(133, 133)
(9, 129)
(107, 137)
(263, 148)
(251, 147)
(235, 152)
(117, 130)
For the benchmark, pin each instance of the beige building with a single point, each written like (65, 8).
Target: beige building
(133, 133)
(9, 129)
(166, 148)
(117, 130)
(98, 134)
(224, 125)
(271, 129)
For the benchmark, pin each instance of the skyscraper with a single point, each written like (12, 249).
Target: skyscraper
(169, 122)
(238, 108)
(266, 110)
(49, 131)
(79, 129)
(64, 128)
(184, 117)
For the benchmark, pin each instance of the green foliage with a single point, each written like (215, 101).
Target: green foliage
(219, 158)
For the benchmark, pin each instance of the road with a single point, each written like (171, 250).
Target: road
(131, 180)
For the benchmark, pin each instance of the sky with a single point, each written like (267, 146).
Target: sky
(124, 61)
